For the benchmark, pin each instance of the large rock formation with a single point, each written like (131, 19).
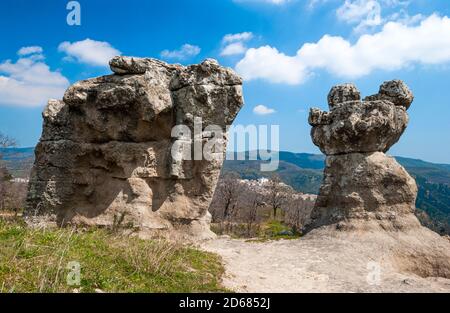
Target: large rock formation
(367, 199)
(109, 154)
(360, 181)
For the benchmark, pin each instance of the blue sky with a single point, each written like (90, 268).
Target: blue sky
(290, 53)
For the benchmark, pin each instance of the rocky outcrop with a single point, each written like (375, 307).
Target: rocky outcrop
(360, 181)
(109, 153)
(367, 199)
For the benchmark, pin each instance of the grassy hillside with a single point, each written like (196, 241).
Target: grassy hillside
(304, 173)
(43, 261)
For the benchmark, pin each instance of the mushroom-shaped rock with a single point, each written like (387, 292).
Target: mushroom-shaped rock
(367, 197)
(354, 127)
(360, 181)
(372, 125)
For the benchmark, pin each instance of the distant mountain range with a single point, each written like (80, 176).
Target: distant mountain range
(303, 172)
(18, 160)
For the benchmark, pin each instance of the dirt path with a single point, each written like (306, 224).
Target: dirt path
(314, 265)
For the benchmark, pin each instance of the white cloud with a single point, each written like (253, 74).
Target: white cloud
(233, 49)
(270, 64)
(186, 51)
(245, 36)
(404, 18)
(263, 110)
(396, 46)
(234, 44)
(356, 10)
(92, 52)
(365, 13)
(29, 82)
(29, 50)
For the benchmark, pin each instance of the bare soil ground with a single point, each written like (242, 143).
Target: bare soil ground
(349, 262)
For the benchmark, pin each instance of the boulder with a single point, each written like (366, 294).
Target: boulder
(360, 181)
(366, 202)
(355, 126)
(107, 157)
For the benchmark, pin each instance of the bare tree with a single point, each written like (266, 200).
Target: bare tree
(224, 204)
(277, 194)
(298, 212)
(251, 212)
(12, 195)
(6, 142)
(4, 179)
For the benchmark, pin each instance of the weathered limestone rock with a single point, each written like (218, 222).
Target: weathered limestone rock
(357, 126)
(343, 93)
(105, 155)
(395, 91)
(367, 200)
(360, 181)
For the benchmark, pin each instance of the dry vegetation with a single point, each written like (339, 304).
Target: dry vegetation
(39, 260)
(267, 209)
(12, 194)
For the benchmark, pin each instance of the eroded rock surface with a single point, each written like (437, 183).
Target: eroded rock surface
(105, 155)
(366, 195)
(360, 181)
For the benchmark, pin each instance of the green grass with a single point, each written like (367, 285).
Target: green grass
(275, 230)
(36, 261)
(265, 231)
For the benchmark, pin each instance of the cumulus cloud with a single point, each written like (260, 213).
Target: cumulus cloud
(186, 51)
(396, 46)
(233, 49)
(365, 13)
(357, 10)
(237, 37)
(30, 50)
(270, 64)
(29, 81)
(263, 110)
(88, 51)
(234, 44)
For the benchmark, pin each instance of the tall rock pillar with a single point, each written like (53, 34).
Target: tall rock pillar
(361, 183)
